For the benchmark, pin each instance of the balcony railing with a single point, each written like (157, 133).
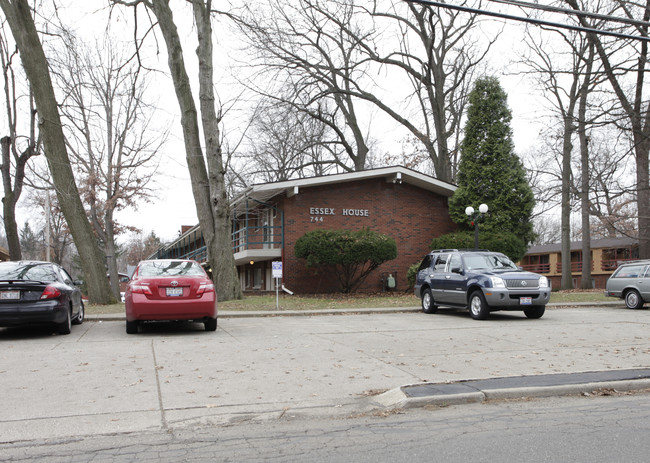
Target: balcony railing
(612, 264)
(537, 268)
(576, 267)
(248, 238)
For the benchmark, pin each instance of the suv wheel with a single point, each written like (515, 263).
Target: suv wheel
(535, 311)
(478, 308)
(428, 304)
(633, 299)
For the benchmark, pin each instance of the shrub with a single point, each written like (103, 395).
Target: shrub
(353, 254)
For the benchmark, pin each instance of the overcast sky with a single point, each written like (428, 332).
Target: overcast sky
(174, 207)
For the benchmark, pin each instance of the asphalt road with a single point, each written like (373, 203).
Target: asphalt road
(570, 429)
(174, 378)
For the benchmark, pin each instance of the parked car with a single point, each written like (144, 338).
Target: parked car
(631, 282)
(170, 290)
(481, 281)
(33, 292)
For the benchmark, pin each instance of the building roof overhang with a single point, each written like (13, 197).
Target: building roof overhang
(605, 243)
(261, 193)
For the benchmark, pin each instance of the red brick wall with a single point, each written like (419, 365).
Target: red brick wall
(410, 215)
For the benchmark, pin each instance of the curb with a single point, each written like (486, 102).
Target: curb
(312, 313)
(475, 391)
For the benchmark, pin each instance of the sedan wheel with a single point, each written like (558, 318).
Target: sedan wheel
(132, 327)
(478, 308)
(633, 299)
(66, 326)
(428, 304)
(210, 324)
(79, 319)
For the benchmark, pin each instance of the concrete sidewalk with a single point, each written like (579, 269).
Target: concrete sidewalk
(99, 380)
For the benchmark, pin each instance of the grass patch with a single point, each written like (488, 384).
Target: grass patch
(321, 302)
(266, 302)
(95, 309)
(573, 295)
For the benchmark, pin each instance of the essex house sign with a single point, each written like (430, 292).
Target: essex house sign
(316, 214)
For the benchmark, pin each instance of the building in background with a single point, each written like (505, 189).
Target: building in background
(606, 256)
(406, 205)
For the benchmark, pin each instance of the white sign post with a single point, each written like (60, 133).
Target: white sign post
(276, 267)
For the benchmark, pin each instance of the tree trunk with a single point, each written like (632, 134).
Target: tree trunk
(207, 185)
(585, 281)
(19, 17)
(9, 202)
(566, 281)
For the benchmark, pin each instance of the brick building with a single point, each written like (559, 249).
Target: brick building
(410, 207)
(606, 255)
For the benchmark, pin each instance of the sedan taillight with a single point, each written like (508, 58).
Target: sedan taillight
(50, 292)
(204, 288)
(141, 289)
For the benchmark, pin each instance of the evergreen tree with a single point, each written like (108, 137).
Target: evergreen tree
(31, 245)
(489, 171)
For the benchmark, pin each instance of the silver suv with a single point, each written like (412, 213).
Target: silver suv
(481, 281)
(631, 281)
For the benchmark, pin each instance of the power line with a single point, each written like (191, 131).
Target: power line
(586, 14)
(538, 22)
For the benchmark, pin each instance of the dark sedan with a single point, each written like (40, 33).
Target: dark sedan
(39, 293)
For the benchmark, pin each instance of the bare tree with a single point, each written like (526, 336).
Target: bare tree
(310, 58)
(285, 144)
(439, 53)
(16, 150)
(108, 133)
(626, 65)
(19, 17)
(207, 171)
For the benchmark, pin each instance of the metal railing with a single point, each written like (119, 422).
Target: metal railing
(266, 237)
(537, 268)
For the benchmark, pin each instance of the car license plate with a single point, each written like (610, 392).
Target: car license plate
(9, 295)
(525, 300)
(174, 292)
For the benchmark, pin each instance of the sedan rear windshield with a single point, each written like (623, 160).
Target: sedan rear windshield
(170, 268)
(27, 271)
(488, 262)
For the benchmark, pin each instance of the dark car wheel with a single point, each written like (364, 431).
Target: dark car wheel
(535, 312)
(478, 308)
(79, 319)
(210, 324)
(633, 299)
(132, 327)
(428, 304)
(66, 326)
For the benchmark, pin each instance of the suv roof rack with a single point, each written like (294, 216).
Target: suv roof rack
(459, 250)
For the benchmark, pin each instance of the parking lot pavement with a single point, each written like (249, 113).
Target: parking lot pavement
(100, 380)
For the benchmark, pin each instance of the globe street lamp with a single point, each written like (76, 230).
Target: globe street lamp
(475, 216)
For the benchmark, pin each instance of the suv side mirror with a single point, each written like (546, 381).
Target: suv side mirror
(456, 270)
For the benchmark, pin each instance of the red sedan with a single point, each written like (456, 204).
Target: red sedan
(170, 289)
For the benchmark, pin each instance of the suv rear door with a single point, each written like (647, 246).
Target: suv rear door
(455, 285)
(438, 278)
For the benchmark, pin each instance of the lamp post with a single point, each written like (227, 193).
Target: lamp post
(475, 216)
